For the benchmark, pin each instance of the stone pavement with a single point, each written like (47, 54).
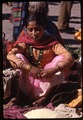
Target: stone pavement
(75, 21)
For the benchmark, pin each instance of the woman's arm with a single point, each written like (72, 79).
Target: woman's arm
(68, 58)
(14, 60)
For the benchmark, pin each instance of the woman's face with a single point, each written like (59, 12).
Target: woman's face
(34, 30)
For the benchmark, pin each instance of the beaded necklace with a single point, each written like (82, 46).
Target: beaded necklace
(34, 61)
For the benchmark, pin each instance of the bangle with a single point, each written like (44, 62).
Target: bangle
(29, 67)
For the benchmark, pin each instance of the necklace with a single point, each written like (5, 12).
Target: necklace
(33, 60)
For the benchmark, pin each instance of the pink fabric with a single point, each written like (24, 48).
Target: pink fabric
(54, 62)
(34, 87)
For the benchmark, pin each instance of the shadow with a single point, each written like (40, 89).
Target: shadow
(53, 18)
(77, 22)
(76, 2)
(72, 21)
(6, 16)
(54, 3)
(71, 42)
(75, 17)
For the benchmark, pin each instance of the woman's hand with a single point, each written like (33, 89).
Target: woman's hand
(48, 73)
(41, 73)
(36, 71)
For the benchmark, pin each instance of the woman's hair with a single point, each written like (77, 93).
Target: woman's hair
(36, 17)
(38, 8)
(38, 12)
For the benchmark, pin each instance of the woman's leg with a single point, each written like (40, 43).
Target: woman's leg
(24, 81)
(49, 87)
(44, 87)
(58, 77)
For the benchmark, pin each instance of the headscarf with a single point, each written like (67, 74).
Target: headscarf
(46, 41)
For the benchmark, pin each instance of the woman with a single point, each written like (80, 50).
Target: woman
(39, 56)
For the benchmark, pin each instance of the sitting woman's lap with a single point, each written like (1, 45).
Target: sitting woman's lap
(38, 87)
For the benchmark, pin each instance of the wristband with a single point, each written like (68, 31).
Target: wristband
(29, 67)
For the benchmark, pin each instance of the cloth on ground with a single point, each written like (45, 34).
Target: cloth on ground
(8, 76)
(61, 111)
(60, 96)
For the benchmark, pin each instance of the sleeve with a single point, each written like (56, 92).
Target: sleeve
(68, 60)
(13, 59)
